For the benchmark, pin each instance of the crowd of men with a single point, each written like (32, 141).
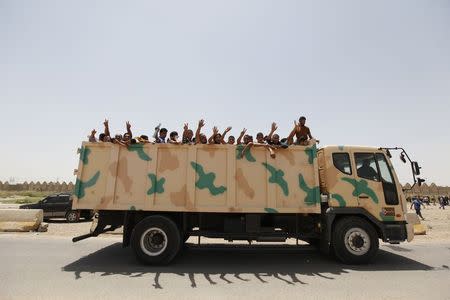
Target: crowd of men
(300, 135)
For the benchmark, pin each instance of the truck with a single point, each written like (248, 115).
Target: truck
(340, 199)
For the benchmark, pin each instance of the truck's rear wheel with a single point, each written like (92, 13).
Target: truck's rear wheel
(355, 241)
(156, 240)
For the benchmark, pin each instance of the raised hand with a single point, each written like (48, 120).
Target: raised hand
(243, 131)
(215, 130)
(228, 129)
(201, 123)
(274, 126)
(128, 125)
(186, 126)
(93, 132)
(106, 123)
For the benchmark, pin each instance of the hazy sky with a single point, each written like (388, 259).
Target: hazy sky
(363, 72)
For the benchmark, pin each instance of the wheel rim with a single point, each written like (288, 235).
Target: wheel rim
(71, 217)
(153, 241)
(357, 241)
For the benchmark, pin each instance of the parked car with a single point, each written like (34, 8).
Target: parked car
(60, 206)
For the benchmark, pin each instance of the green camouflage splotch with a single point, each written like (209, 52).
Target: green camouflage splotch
(387, 218)
(84, 155)
(248, 154)
(312, 194)
(81, 186)
(339, 199)
(157, 185)
(139, 149)
(206, 180)
(312, 153)
(361, 187)
(276, 176)
(270, 210)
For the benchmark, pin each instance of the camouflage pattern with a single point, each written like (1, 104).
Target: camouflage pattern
(216, 178)
(345, 190)
(200, 178)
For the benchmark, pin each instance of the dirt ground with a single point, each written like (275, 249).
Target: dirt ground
(437, 222)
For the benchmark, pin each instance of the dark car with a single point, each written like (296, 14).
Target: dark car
(60, 206)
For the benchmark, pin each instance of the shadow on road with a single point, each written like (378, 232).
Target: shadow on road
(231, 264)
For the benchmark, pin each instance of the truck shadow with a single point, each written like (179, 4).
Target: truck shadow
(231, 264)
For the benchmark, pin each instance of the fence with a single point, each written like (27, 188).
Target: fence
(38, 186)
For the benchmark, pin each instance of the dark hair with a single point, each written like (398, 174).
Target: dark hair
(163, 130)
(231, 137)
(302, 118)
(101, 136)
(144, 137)
(260, 134)
(173, 134)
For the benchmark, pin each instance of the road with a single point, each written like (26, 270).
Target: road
(37, 267)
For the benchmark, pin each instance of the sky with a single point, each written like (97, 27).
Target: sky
(373, 73)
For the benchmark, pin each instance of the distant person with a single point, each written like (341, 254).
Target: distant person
(417, 206)
(92, 138)
(160, 134)
(231, 140)
(260, 138)
(302, 132)
(188, 135)
(441, 202)
(173, 138)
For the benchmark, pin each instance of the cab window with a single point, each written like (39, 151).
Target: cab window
(342, 162)
(366, 166)
(385, 172)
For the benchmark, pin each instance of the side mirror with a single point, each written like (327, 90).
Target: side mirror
(416, 167)
(388, 153)
(420, 181)
(402, 157)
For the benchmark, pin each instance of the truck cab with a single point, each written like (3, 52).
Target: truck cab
(361, 181)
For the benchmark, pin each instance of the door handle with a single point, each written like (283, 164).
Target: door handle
(363, 197)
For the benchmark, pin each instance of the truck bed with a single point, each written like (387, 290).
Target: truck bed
(197, 178)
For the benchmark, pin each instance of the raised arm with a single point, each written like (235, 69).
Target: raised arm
(106, 123)
(185, 130)
(92, 138)
(224, 134)
(272, 131)
(129, 129)
(211, 138)
(290, 138)
(201, 123)
(155, 134)
(241, 136)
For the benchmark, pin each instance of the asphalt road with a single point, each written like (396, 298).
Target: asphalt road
(37, 267)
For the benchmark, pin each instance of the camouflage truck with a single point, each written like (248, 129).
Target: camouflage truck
(338, 198)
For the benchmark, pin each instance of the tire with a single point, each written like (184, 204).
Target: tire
(156, 240)
(72, 216)
(355, 241)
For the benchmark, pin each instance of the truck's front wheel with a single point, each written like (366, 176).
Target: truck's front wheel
(355, 241)
(156, 240)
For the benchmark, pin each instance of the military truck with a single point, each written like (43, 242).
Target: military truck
(342, 199)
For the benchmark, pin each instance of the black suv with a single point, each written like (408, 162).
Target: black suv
(60, 206)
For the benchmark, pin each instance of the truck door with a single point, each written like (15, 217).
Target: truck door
(340, 175)
(374, 185)
(387, 180)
